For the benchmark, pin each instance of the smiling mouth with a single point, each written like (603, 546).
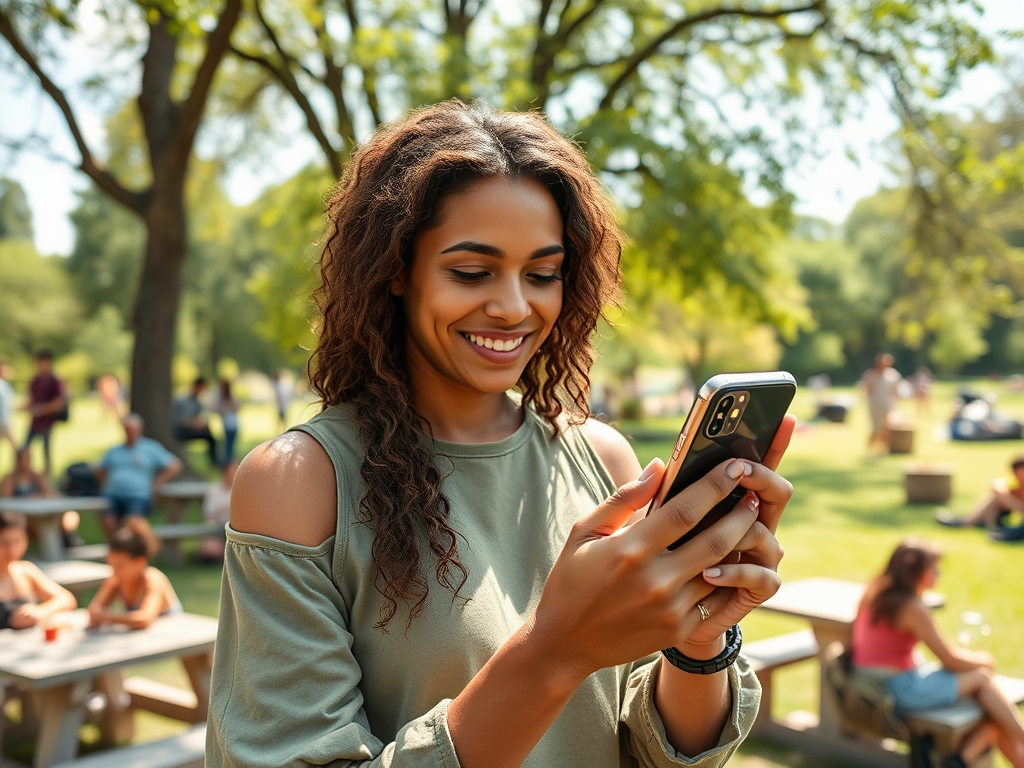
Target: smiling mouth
(498, 345)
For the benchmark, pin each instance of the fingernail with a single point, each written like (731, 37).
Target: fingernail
(748, 468)
(735, 470)
(712, 573)
(649, 470)
(752, 501)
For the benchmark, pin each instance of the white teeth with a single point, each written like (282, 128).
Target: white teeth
(499, 345)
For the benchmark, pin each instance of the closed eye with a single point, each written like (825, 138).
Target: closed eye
(546, 279)
(468, 277)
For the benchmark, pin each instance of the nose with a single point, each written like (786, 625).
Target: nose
(508, 303)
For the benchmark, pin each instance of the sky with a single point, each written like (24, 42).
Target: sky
(826, 186)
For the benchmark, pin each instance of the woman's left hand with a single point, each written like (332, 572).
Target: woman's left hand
(749, 576)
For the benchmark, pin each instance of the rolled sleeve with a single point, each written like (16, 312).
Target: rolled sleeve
(647, 741)
(285, 687)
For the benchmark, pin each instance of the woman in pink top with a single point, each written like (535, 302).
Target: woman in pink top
(891, 621)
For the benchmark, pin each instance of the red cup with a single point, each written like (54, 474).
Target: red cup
(50, 633)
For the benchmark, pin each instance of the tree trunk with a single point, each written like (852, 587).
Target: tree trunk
(156, 309)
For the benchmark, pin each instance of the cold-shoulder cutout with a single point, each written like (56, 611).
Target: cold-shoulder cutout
(614, 451)
(286, 489)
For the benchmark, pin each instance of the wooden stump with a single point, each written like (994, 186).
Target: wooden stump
(928, 483)
(901, 438)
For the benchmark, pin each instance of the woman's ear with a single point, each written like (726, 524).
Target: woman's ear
(398, 284)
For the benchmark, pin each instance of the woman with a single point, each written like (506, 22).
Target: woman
(893, 619)
(27, 595)
(143, 592)
(227, 407)
(432, 572)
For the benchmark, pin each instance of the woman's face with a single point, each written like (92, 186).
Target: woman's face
(13, 543)
(485, 287)
(930, 576)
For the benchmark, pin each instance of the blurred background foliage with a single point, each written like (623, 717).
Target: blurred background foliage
(719, 273)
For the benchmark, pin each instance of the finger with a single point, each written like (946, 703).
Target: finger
(760, 582)
(773, 490)
(617, 508)
(714, 602)
(780, 443)
(711, 546)
(678, 515)
(760, 546)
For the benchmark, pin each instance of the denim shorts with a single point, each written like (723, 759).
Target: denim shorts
(923, 688)
(123, 506)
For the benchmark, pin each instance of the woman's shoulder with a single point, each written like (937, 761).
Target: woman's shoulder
(613, 449)
(286, 489)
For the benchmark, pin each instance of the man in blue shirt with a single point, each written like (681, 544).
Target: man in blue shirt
(133, 473)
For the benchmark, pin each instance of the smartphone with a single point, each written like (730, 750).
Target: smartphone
(735, 416)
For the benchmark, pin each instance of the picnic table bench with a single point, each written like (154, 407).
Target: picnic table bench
(76, 576)
(183, 750)
(59, 678)
(175, 496)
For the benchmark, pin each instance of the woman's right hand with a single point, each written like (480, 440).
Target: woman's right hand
(617, 593)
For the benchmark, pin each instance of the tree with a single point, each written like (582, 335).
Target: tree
(15, 215)
(184, 46)
(640, 83)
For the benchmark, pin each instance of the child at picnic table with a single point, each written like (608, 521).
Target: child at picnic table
(893, 619)
(144, 591)
(27, 595)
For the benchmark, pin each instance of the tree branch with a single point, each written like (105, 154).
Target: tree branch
(134, 201)
(369, 76)
(218, 43)
(652, 48)
(287, 80)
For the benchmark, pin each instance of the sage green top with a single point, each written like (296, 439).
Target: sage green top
(301, 677)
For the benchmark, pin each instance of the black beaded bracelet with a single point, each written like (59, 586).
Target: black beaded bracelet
(733, 643)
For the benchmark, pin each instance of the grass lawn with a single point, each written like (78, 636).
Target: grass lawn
(847, 514)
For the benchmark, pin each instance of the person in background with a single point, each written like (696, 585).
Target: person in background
(189, 422)
(893, 619)
(25, 482)
(282, 396)
(881, 385)
(7, 405)
(921, 382)
(143, 592)
(217, 511)
(227, 408)
(27, 595)
(1005, 496)
(132, 474)
(47, 399)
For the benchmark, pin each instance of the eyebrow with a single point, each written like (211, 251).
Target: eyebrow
(497, 253)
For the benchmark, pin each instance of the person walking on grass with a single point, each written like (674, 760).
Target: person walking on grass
(881, 387)
(433, 572)
(7, 406)
(132, 474)
(890, 623)
(47, 404)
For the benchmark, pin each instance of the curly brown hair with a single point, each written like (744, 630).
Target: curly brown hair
(390, 192)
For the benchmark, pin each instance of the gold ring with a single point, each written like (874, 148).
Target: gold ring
(705, 614)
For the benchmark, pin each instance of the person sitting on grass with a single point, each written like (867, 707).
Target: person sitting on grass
(893, 619)
(217, 511)
(27, 595)
(1005, 496)
(133, 473)
(144, 592)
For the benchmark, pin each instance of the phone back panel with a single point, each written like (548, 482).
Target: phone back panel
(753, 436)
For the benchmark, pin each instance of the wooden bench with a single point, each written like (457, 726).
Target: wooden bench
(766, 656)
(162, 699)
(948, 726)
(172, 534)
(185, 750)
(76, 576)
(96, 552)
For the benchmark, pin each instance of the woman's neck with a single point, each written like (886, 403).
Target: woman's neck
(459, 414)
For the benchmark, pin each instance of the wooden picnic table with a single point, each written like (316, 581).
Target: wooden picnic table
(45, 513)
(59, 676)
(830, 606)
(76, 575)
(175, 496)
